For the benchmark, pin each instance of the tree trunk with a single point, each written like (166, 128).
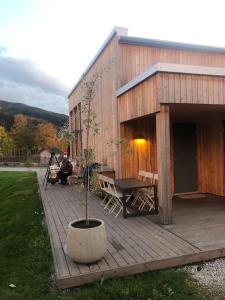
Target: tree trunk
(87, 163)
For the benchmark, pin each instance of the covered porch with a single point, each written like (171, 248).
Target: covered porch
(184, 144)
(186, 104)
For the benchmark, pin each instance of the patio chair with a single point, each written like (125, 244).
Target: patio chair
(148, 193)
(138, 197)
(145, 196)
(152, 177)
(115, 204)
(142, 175)
(156, 178)
(105, 190)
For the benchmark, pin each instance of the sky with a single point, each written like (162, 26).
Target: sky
(45, 45)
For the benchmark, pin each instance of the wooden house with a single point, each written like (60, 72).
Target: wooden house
(170, 94)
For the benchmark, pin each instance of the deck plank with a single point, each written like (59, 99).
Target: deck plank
(135, 245)
(200, 221)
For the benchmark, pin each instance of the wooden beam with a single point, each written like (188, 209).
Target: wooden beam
(163, 163)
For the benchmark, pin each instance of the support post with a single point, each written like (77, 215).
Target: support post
(163, 163)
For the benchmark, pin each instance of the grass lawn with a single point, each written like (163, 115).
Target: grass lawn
(26, 261)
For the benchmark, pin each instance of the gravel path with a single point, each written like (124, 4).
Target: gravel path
(211, 275)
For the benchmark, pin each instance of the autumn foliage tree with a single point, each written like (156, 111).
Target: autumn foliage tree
(46, 135)
(26, 136)
(23, 133)
(6, 142)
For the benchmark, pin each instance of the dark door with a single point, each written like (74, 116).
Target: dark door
(185, 157)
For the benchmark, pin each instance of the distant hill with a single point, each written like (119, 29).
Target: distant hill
(36, 115)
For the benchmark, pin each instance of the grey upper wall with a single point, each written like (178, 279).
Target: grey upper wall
(169, 44)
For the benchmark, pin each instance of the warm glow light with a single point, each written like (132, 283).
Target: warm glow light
(139, 140)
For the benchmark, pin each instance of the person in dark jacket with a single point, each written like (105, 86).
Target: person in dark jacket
(65, 171)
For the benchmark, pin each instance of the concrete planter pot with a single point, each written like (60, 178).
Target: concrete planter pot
(86, 244)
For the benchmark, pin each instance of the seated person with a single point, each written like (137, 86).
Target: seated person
(65, 171)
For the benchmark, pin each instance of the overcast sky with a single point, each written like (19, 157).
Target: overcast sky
(45, 45)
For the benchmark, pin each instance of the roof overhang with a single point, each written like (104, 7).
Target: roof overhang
(170, 68)
(169, 44)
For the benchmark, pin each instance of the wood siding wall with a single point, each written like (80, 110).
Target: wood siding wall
(71, 127)
(104, 104)
(140, 101)
(136, 155)
(196, 89)
(136, 59)
(145, 98)
(121, 63)
(210, 151)
(211, 156)
(76, 125)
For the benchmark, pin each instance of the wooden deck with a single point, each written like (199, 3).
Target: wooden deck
(200, 221)
(135, 245)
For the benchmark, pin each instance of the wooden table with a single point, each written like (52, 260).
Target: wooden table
(129, 185)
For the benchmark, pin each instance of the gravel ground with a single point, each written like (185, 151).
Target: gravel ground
(211, 275)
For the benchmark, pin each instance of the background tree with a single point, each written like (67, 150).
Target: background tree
(46, 135)
(23, 133)
(6, 142)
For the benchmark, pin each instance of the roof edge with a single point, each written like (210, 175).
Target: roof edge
(116, 31)
(170, 68)
(169, 44)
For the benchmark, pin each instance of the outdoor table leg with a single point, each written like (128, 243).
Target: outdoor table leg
(156, 200)
(124, 205)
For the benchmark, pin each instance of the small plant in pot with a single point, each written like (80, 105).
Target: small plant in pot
(86, 238)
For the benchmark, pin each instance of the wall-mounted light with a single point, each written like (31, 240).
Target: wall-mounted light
(139, 139)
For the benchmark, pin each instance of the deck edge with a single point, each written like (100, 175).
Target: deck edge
(182, 260)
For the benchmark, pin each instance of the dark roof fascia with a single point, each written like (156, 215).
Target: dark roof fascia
(111, 35)
(169, 44)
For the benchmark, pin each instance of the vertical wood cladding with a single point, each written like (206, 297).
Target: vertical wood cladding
(140, 101)
(129, 115)
(104, 104)
(136, 59)
(211, 156)
(76, 125)
(145, 98)
(138, 155)
(192, 89)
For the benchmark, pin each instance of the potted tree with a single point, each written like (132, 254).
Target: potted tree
(86, 238)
